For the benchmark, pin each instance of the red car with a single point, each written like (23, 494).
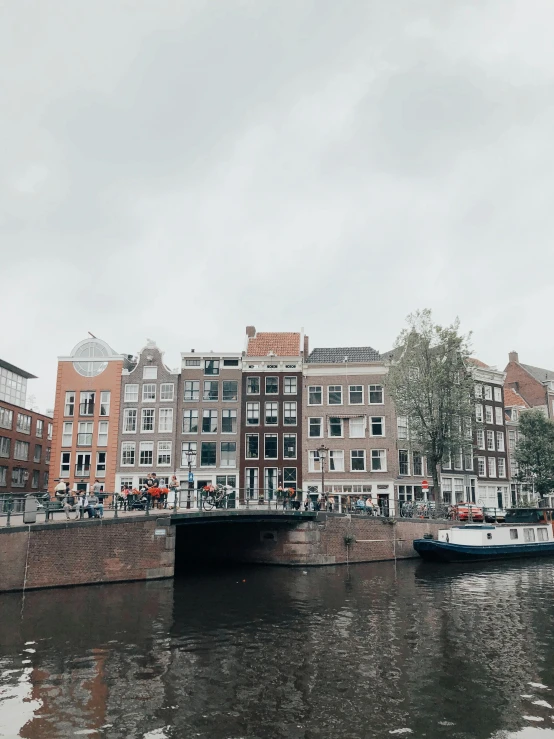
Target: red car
(467, 512)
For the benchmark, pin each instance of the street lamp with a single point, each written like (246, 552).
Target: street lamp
(190, 455)
(322, 451)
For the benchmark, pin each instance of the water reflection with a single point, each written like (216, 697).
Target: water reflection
(372, 651)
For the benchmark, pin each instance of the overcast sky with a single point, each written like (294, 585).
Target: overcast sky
(178, 169)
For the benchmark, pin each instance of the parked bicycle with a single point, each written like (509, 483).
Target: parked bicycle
(214, 497)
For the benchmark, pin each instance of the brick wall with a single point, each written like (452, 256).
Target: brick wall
(85, 552)
(526, 385)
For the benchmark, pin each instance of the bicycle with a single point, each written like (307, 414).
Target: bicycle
(214, 498)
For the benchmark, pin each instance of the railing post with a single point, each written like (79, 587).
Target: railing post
(8, 522)
(147, 506)
(114, 505)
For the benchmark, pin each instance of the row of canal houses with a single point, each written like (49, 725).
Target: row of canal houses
(255, 420)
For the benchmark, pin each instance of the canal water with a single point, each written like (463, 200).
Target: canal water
(246, 653)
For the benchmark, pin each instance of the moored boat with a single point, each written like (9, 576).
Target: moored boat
(528, 532)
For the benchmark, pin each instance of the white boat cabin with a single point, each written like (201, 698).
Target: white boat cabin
(476, 535)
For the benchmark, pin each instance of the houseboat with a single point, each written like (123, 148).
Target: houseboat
(527, 532)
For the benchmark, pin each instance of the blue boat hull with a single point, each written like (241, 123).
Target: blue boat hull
(441, 551)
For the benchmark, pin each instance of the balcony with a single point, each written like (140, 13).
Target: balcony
(82, 470)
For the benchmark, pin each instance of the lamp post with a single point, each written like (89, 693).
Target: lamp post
(190, 454)
(322, 457)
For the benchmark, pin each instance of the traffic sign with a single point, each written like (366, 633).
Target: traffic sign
(191, 476)
(424, 485)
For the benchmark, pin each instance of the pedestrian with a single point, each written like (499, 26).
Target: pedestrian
(330, 505)
(67, 506)
(369, 506)
(91, 505)
(172, 498)
(124, 497)
(97, 487)
(307, 503)
(60, 489)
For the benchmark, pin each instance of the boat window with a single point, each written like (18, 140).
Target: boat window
(489, 536)
(513, 533)
(529, 534)
(542, 534)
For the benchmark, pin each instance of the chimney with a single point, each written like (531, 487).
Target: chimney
(306, 346)
(513, 357)
(251, 331)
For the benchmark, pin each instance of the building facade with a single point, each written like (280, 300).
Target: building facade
(147, 420)
(86, 416)
(271, 413)
(25, 436)
(534, 384)
(209, 416)
(514, 405)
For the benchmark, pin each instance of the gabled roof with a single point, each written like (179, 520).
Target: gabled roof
(514, 399)
(542, 375)
(16, 370)
(478, 362)
(280, 343)
(337, 355)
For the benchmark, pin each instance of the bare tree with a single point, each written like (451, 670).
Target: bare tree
(431, 383)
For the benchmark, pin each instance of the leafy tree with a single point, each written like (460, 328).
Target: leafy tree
(431, 383)
(535, 451)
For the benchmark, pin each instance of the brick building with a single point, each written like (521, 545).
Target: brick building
(86, 415)
(514, 405)
(271, 412)
(534, 384)
(25, 436)
(208, 413)
(147, 420)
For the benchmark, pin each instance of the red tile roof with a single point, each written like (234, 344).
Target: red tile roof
(281, 343)
(477, 362)
(511, 398)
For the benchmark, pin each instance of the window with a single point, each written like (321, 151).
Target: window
(481, 466)
(314, 462)
(459, 460)
(208, 454)
(3, 476)
(147, 419)
(314, 427)
(5, 446)
(480, 439)
(357, 460)
(230, 362)
(513, 534)
(498, 417)
(191, 448)
(315, 395)
(498, 395)
(211, 366)
(39, 428)
(252, 446)
(67, 433)
(253, 385)
(86, 403)
(336, 460)
(417, 461)
(377, 427)
(271, 413)
(36, 478)
(271, 385)
(230, 390)
(211, 390)
(21, 450)
(289, 477)
(447, 489)
(355, 394)
(542, 534)
(167, 390)
(131, 394)
(192, 389)
(478, 390)
(289, 446)
(488, 414)
(105, 403)
(129, 420)
(6, 418)
(146, 454)
(149, 373)
(192, 363)
(18, 477)
(102, 433)
(251, 482)
(127, 453)
(458, 489)
(190, 422)
(270, 481)
(356, 427)
(378, 460)
(50, 431)
(479, 413)
(69, 407)
(165, 420)
(149, 393)
(84, 433)
(65, 464)
(335, 427)
(468, 459)
(270, 446)
(228, 421)
(528, 535)
(228, 454)
(252, 414)
(101, 464)
(490, 441)
(402, 427)
(289, 413)
(488, 392)
(334, 395)
(492, 466)
(500, 441)
(375, 394)
(47, 457)
(164, 453)
(403, 462)
(291, 386)
(515, 414)
(501, 467)
(23, 423)
(209, 422)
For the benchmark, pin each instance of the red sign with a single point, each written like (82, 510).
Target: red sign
(424, 485)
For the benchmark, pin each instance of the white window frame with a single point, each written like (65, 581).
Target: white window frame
(65, 464)
(165, 395)
(501, 467)
(290, 381)
(150, 373)
(334, 389)
(361, 423)
(369, 391)
(498, 395)
(362, 457)
(498, 416)
(274, 405)
(479, 417)
(480, 438)
(127, 447)
(232, 414)
(408, 462)
(131, 394)
(315, 418)
(105, 403)
(377, 436)
(147, 413)
(185, 446)
(168, 414)
(232, 462)
(67, 433)
(359, 388)
(382, 459)
(146, 446)
(149, 395)
(246, 446)
(315, 388)
(103, 429)
(292, 436)
(253, 377)
(210, 413)
(191, 414)
(489, 415)
(329, 428)
(293, 405)
(192, 387)
(273, 377)
(336, 460)
(314, 462)
(500, 445)
(490, 441)
(482, 466)
(488, 392)
(491, 467)
(276, 446)
(70, 400)
(127, 415)
(164, 447)
(252, 407)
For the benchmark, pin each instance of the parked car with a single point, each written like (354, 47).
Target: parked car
(494, 514)
(467, 512)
